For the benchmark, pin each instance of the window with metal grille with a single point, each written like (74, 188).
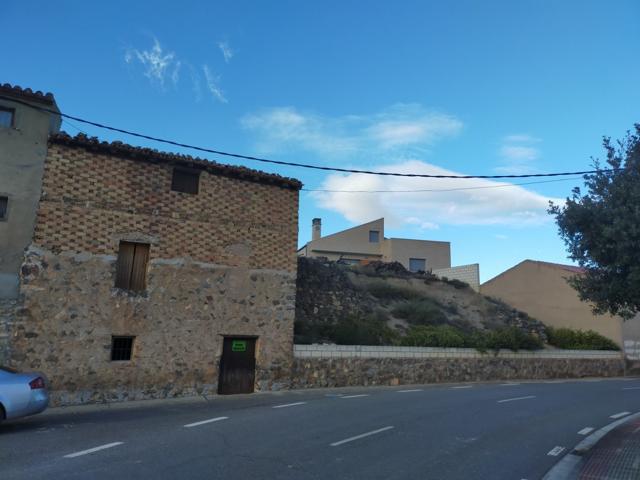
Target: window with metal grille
(6, 117)
(374, 236)
(121, 348)
(4, 207)
(131, 271)
(417, 265)
(185, 181)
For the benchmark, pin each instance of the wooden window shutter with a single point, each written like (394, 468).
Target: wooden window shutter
(125, 265)
(139, 271)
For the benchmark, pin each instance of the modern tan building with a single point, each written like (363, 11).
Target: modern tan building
(367, 242)
(541, 290)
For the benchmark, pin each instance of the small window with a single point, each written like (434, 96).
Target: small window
(417, 265)
(4, 207)
(121, 348)
(131, 271)
(6, 117)
(185, 181)
(374, 236)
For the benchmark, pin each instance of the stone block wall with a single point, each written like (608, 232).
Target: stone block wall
(318, 366)
(465, 273)
(222, 262)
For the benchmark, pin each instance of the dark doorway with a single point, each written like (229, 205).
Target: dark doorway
(237, 365)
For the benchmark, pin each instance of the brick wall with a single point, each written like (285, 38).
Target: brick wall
(222, 262)
(465, 273)
(90, 200)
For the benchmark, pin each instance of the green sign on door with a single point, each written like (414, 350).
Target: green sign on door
(239, 346)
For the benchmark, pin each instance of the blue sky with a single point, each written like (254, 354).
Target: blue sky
(462, 86)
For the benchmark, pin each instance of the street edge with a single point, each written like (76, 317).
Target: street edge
(567, 468)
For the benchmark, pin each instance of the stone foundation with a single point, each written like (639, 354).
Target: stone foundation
(70, 311)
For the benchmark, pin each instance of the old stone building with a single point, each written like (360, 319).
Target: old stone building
(152, 274)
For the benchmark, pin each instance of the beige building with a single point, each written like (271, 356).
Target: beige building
(367, 242)
(541, 290)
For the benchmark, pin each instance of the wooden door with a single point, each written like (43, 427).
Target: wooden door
(237, 366)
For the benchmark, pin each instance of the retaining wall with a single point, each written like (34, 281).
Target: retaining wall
(340, 366)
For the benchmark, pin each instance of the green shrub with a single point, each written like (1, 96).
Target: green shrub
(457, 284)
(570, 339)
(434, 336)
(363, 330)
(387, 292)
(424, 311)
(447, 336)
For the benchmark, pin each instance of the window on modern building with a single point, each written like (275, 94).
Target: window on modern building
(349, 261)
(374, 236)
(185, 181)
(417, 264)
(4, 207)
(6, 117)
(131, 271)
(121, 348)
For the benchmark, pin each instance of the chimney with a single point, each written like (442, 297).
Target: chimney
(316, 228)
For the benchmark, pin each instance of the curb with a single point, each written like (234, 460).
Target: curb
(569, 466)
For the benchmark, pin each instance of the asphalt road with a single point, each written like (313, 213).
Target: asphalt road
(477, 431)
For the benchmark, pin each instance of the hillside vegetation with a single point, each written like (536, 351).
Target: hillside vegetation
(384, 304)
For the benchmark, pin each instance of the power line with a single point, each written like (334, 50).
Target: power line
(436, 190)
(293, 164)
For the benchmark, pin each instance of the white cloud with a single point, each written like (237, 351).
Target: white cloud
(227, 53)
(518, 154)
(400, 126)
(157, 63)
(504, 205)
(213, 82)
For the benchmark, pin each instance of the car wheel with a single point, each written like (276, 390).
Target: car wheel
(3, 415)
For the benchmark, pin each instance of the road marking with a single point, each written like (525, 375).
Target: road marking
(516, 398)
(585, 431)
(356, 396)
(217, 419)
(409, 391)
(620, 415)
(631, 388)
(508, 384)
(555, 451)
(92, 450)
(363, 435)
(463, 386)
(289, 405)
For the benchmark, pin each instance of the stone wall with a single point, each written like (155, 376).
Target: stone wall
(318, 366)
(222, 262)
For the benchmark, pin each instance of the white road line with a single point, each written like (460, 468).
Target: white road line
(217, 419)
(409, 391)
(356, 396)
(555, 451)
(516, 398)
(585, 431)
(358, 437)
(619, 415)
(92, 450)
(289, 405)
(631, 388)
(463, 386)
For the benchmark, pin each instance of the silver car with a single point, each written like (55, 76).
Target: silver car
(21, 394)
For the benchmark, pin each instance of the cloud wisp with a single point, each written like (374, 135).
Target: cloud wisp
(213, 84)
(518, 153)
(400, 127)
(227, 53)
(162, 66)
(464, 204)
(157, 63)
